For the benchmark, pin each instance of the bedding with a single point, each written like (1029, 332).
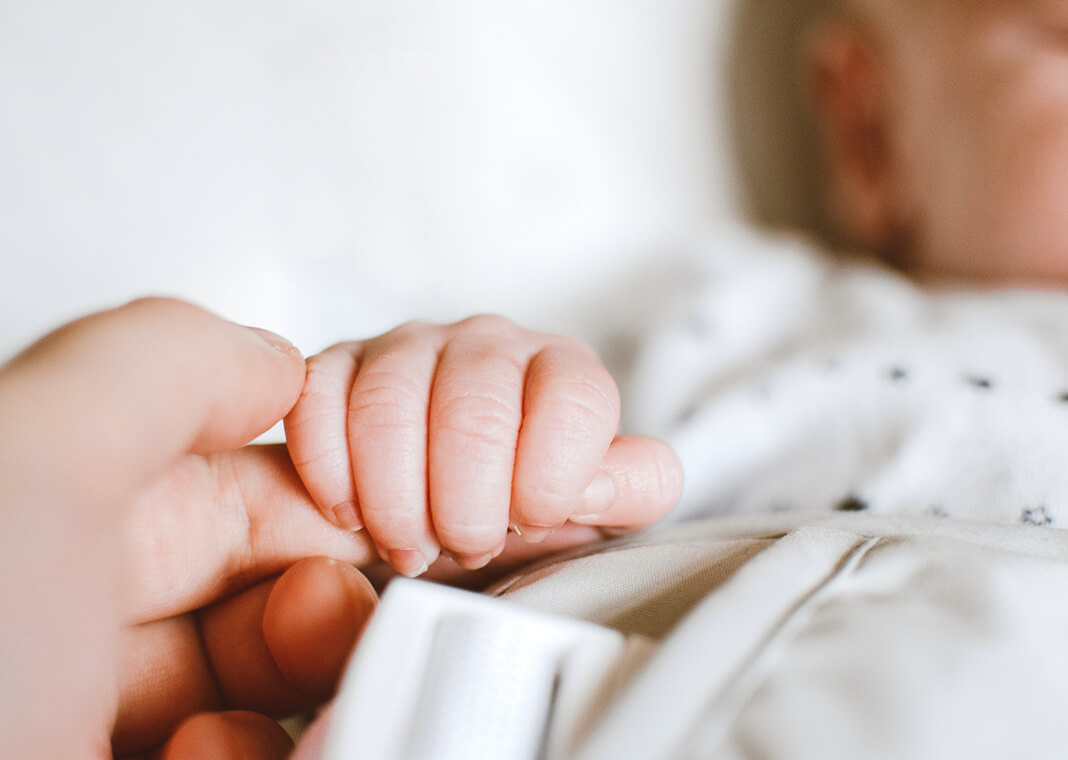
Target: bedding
(841, 636)
(766, 636)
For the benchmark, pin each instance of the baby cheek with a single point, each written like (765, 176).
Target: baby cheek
(991, 158)
(1012, 186)
(1031, 211)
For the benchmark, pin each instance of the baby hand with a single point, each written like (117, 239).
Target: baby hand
(441, 437)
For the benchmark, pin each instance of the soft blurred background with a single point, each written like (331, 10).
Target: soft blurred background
(328, 169)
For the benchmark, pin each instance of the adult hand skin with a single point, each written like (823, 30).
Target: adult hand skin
(141, 601)
(165, 589)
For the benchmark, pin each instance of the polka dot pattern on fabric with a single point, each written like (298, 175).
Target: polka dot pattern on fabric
(829, 385)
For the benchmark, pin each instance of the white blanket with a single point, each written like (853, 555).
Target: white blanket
(849, 636)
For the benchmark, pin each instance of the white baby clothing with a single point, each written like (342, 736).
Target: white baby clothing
(788, 380)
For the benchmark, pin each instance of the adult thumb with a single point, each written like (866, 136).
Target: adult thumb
(106, 402)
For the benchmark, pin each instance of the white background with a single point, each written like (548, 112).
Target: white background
(328, 169)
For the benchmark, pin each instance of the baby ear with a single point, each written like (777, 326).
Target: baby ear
(847, 86)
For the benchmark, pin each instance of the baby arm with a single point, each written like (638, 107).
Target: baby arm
(442, 437)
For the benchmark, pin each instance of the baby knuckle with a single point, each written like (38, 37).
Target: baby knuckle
(587, 402)
(411, 329)
(387, 402)
(483, 420)
(493, 324)
(550, 482)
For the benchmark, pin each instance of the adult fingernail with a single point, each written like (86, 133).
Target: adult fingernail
(346, 516)
(410, 562)
(596, 499)
(275, 341)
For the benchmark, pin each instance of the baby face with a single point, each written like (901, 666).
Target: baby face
(977, 94)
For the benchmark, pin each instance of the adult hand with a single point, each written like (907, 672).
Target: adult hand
(139, 577)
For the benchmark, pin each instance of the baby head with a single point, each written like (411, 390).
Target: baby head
(944, 128)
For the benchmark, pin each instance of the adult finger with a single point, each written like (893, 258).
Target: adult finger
(387, 420)
(638, 482)
(234, 735)
(100, 405)
(213, 525)
(571, 413)
(313, 616)
(280, 647)
(317, 434)
(276, 648)
(475, 414)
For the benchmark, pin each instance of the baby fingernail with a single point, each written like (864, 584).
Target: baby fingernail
(346, 516)
(533, 534)
(410, 562)
(597, 498)
(474, 561)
